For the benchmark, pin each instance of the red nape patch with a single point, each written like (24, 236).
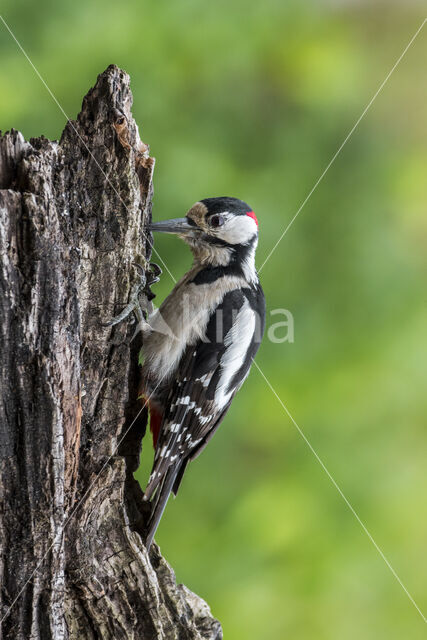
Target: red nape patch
(252, 215)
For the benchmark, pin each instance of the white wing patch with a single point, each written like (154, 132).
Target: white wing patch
(237, 341)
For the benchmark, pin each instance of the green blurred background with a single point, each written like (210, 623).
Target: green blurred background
(252, 100)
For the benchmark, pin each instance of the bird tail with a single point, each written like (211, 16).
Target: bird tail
(158, 504)
(178, 476)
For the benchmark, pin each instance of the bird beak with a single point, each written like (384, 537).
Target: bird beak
(177, 225)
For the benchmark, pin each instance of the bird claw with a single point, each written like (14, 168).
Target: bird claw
(153, 274)
(134, 305)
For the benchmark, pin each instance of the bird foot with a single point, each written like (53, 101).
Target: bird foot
(141, 287)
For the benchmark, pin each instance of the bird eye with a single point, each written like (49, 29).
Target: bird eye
(216, 221)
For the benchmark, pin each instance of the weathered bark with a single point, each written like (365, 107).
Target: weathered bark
(73, 219)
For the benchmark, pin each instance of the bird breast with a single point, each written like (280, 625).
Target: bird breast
(180, 321)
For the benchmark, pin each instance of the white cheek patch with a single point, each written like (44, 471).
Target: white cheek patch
(238, 230)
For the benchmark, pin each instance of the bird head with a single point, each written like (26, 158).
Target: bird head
(218, 230)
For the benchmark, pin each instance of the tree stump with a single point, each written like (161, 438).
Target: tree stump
(74, 219)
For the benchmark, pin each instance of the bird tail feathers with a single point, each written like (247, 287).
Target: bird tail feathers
(159, 503)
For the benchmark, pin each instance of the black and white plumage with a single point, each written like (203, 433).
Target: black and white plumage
(201, 342)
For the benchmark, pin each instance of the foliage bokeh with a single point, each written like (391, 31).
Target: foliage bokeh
(253, 100)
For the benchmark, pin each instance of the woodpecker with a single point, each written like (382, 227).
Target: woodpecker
(200, 343)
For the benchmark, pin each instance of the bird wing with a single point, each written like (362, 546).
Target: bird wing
(205, 382)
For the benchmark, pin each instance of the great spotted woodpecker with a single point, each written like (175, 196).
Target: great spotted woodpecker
(201, 341)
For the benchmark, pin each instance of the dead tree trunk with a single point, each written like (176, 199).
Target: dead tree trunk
(73, 220)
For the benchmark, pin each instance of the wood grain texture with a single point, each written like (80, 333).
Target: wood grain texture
(73, 219)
